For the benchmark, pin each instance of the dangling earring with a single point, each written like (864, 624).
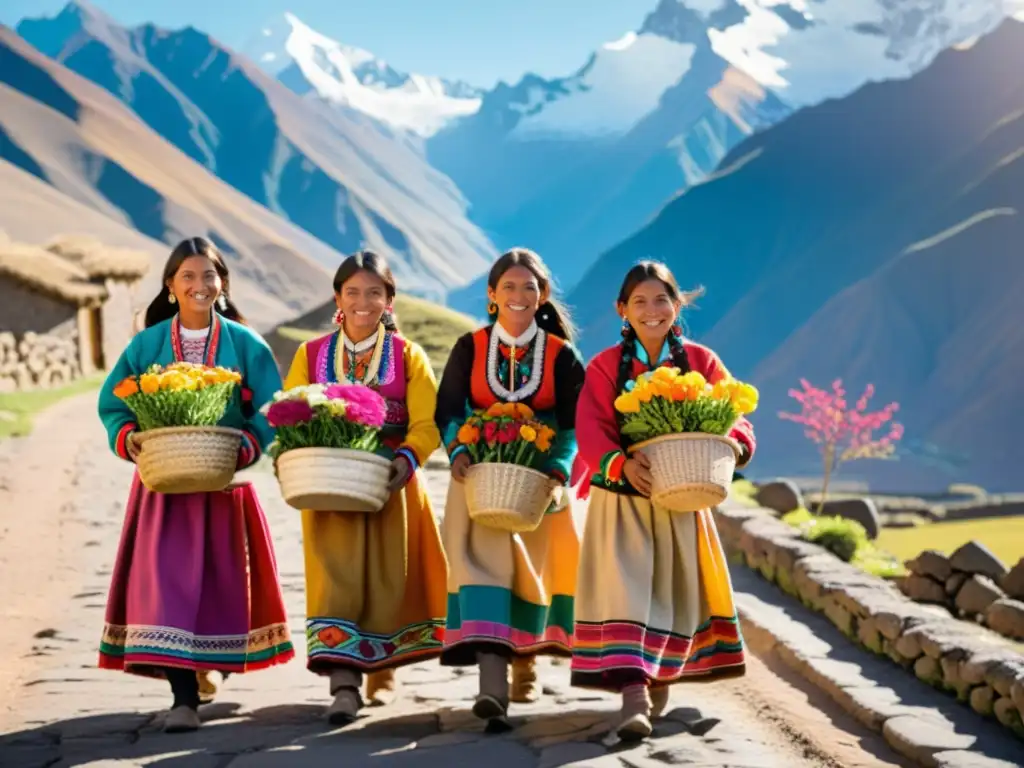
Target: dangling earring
(171, 299)
(677, 329)
(222, 302)
(626, 328)
(492, 308)
(339, 317)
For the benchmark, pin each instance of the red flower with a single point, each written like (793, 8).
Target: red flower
(491, 431)
(508, 433)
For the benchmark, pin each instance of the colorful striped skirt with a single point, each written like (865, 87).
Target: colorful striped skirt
(654, 601)
(195, 586)
(375, 584)
(508, 592)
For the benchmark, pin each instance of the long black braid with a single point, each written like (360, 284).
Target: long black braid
(629, 341)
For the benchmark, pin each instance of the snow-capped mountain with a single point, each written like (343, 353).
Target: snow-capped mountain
(811, 50)
(336, 173)
(311, 63)
(587, 159)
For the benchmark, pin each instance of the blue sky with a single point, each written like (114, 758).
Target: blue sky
(477, 40)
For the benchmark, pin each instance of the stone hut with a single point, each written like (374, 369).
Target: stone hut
(65, 309)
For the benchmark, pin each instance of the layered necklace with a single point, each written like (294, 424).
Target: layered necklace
(354, 351)
(517, 345)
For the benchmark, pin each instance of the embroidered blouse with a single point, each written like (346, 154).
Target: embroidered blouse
(602, 453)
(389, 363)
(537, 369)
(224, 343)
(193, 344)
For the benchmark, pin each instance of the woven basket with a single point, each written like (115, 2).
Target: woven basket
(334, 479)
(690, 471)
(187, 459)
(508, 497)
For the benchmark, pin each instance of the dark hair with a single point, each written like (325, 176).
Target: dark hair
(161, 308)
(641, 273)
(376, 265)
(552, 316)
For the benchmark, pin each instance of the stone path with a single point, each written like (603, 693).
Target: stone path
(62, 493)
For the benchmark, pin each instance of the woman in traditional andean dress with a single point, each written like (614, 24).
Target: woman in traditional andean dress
(654, 604)
(511, 595)
(375, 583)
(195, 585)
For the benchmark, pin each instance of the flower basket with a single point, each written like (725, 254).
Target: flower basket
(178, 408)
(679, 421)
(333, 479)
(505, 488)
(690, 471)
(188, 459)
(509, 497)
(326, 447)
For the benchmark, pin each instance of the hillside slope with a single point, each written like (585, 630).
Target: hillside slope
(89, 147)
(340, 175)
(837, 195)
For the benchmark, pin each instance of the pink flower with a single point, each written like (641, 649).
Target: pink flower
(288, 413)
(364, 405)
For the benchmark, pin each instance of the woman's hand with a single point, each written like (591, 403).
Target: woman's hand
(637, 471)
(460, 465)
(401, 471)
(134, 448)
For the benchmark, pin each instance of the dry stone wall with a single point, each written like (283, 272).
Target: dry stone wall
(972, 584)
(982, 669)
(38, 361)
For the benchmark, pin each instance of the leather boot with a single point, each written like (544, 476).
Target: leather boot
(492, 701)
(345, 685)
(380, 688)
(635, 718)
(525, 689)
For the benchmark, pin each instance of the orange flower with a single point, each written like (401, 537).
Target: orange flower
(544, 437)
(468, 435)
(496, 411)
(528, 433)
(126, 388)
(523, 411)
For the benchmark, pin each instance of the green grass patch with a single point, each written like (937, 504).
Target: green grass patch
(744, 492)
(846, 539)
(1003, 535)
(17, 410)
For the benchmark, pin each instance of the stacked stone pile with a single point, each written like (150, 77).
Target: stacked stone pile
(972, 584)
(37, 361)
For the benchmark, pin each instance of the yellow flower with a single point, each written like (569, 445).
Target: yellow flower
(723, 389)
(173, 380)
(149, 383)
(694, 380)
(642, 390)
(528, 433)
(665, 374)
(661, 388)
(628, 403)
(745, 398)
(336, 407)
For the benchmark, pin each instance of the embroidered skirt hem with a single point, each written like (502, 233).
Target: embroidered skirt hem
(195, 585)
(654, 602)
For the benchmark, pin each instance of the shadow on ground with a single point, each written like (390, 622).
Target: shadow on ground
(294, 735)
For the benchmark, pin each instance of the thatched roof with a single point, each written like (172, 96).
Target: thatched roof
(99, 260)
(49, 273)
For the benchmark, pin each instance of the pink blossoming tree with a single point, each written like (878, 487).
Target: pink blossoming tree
(843, 433)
